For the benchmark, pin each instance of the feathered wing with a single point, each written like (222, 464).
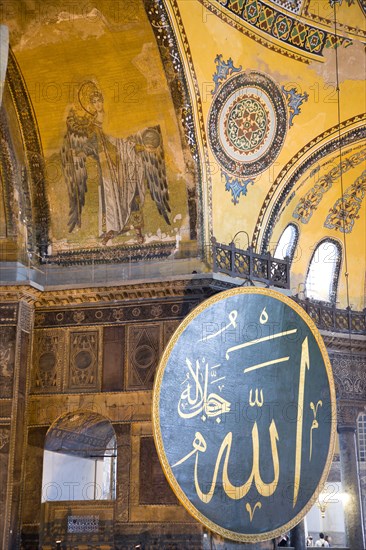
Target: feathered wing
(155, 170)
(73, 155)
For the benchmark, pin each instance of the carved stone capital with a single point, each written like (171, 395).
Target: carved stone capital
(14, 293)
(350, 376)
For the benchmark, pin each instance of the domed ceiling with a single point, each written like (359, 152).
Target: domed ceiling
(133, 129)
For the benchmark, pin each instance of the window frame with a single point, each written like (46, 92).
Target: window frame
(292, 245)
(333, 284)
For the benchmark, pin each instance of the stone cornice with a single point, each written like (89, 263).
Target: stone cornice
(337, 343)
(15, 293)
(190, 285)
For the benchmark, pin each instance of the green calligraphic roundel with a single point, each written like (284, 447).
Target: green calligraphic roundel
(244, 413)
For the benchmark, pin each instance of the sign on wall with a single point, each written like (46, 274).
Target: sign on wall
(244, 413)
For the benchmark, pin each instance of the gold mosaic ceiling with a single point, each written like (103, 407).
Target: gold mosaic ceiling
(175, 65)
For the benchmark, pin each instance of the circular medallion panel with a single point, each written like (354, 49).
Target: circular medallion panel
(47, 361)
(83, 360)
(244, 413)
(247, 123)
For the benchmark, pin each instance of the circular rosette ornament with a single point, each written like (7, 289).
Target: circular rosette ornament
(244, 413)
(247, 124)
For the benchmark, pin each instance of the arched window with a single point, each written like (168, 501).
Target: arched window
(79, 461)
(287, 243)
(322, 277)
(361, 437)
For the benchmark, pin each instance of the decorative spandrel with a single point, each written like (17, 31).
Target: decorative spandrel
(244, 413)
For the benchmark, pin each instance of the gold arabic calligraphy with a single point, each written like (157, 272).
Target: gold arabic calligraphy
(196, 400)
(236, 492)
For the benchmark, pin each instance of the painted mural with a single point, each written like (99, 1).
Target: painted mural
(167, 122)
(123, 168)
(118, 169)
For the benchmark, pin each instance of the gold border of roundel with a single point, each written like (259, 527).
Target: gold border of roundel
(241, 537)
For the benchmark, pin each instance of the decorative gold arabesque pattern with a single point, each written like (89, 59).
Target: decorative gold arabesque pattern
(311, 200)
(353, 131)
(343, 214)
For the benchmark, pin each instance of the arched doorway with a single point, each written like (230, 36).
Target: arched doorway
(79, 461)
(79, 481)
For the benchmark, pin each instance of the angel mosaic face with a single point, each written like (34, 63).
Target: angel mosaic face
(247, 124)
(97, 103)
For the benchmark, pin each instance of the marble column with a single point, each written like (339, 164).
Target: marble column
(297, 536)
(351, 486)
(16, 394)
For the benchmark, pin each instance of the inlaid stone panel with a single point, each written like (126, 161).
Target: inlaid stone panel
(48, 360)
(33, 475)
(113, 358)
(83, 372)
(7, 357)
(169, 329)
(154, 488)
(143, 354)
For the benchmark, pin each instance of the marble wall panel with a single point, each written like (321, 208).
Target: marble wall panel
(48, 360)
(84, 361)
(143, 353)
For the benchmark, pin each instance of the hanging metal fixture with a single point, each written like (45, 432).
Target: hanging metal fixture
(346, 272)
